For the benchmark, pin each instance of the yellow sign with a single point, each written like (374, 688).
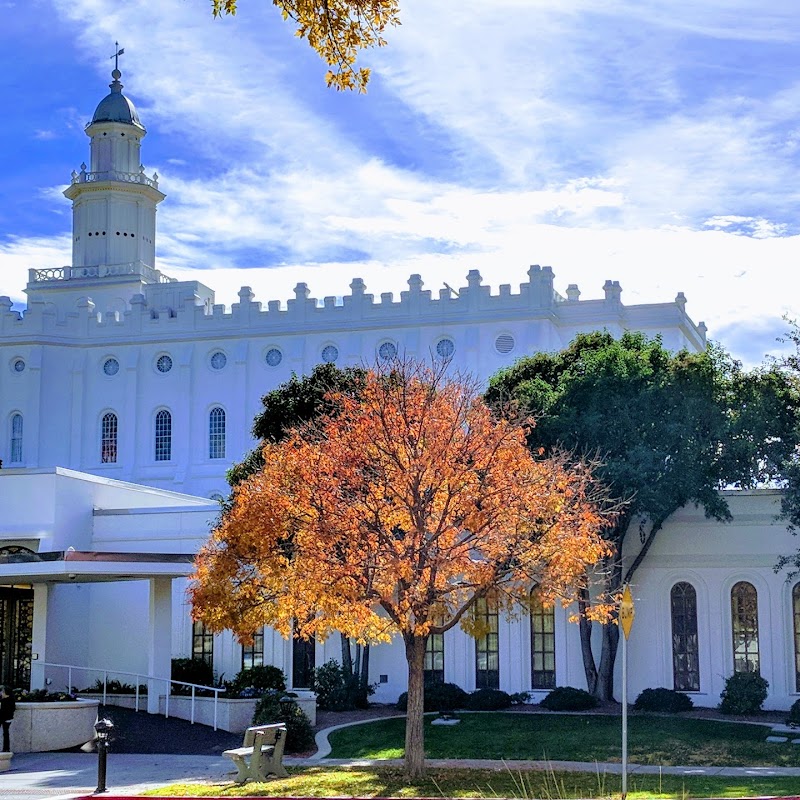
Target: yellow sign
(626, 611)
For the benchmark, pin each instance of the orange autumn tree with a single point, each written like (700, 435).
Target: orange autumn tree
(390, 517)
(337, 29)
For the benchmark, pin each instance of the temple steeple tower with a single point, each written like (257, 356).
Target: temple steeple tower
(113, 200)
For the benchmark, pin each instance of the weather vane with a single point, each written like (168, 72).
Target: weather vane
(119, 51)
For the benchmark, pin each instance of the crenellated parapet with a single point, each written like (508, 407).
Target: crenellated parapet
(164, 309)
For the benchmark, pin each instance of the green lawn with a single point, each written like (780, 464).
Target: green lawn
(386, 782)
(664, 740)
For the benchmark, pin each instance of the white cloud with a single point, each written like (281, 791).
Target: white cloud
(637, 141)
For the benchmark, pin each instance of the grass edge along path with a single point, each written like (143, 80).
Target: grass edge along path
(479, 783)
(653, 739)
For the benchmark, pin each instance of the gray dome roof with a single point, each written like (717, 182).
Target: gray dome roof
(115, 107)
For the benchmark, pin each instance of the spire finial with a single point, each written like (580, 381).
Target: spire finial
(118, 51)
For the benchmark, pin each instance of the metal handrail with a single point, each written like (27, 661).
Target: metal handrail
(137, 676)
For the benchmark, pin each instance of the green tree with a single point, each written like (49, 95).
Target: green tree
(667, 430)
(298, 401)
(790, 502)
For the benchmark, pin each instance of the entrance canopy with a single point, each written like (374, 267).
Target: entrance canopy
(87, 566)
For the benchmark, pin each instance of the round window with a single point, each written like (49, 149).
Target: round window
(273, 357)
(504, 343)
(330, 353)
(19, 365)
(387, 351)
(445, 348)
(218, 360)
(164, 364)
(111, 366)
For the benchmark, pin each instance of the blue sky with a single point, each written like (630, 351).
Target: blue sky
(654, 142)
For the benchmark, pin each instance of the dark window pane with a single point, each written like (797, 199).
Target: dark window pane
(685, 656)
(744, 615)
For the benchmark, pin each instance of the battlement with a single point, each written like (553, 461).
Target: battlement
(168, 310)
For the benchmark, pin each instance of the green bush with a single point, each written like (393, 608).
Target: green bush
(488, 700)
(42, 696)
(744, 693)
(794, 714)
(114, 686)
(337, 691)
(254, 681)
(567, 698)
(662, 699)
(299, 733)
(438, 697)
(192, 670)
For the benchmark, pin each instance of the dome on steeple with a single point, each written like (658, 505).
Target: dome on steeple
(115, 107)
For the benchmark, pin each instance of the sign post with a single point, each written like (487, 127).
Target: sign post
(626, 615)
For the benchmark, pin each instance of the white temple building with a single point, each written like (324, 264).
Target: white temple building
(126, 395)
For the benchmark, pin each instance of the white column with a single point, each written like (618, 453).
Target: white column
(160, 651)
(39, 637)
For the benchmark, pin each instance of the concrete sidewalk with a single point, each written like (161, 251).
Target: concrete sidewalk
(37, 776)
(47, 776)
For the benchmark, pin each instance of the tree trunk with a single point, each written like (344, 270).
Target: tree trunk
(585, 628)
(608, 655)
(415, 734)
(608, 652)
(347, 659)
(363, 680)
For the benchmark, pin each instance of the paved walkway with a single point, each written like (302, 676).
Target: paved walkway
(47, 776)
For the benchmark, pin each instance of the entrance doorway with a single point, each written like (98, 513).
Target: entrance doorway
(16, 637)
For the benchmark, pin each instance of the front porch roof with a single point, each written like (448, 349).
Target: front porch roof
(87, 566)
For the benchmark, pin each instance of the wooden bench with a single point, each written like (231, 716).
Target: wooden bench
(263, 746)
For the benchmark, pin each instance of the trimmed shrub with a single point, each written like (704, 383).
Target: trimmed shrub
(438, 697)
(42, 696)
(488, 700)
(794, 714)
(567, 698)
(744, 693)
(114, 687)
(299, 733)
(520, 698)
(192, 670)
(662, 699)
(337, 691)
(254, 681)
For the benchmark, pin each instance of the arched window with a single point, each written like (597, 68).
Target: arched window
(487, 651)
(163, 438)
(108, 438)
(543, 643)
(744, 615)
(796, 616)
(216, 433)
(434, 658)
(685, 658)
(16, 439)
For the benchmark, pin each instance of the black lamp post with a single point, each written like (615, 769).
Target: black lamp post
(103, 728)
(286, 702)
